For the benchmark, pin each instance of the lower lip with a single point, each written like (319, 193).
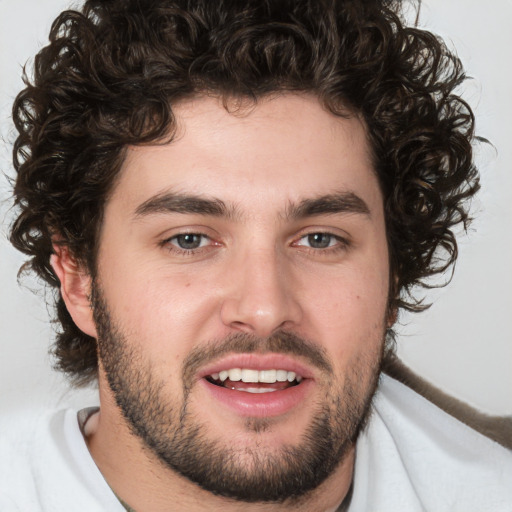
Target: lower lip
(260, 405)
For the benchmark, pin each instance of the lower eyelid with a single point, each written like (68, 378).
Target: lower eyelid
(336, 238)
(337, 242)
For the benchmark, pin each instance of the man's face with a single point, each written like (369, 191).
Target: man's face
(241, 294)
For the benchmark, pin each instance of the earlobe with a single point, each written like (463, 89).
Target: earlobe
(75, 288)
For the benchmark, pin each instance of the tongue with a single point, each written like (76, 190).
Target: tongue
(279, 386)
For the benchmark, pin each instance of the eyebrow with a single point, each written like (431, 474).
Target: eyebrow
(342, 202)
(172, 202)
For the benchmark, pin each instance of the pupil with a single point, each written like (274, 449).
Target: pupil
(319, 240)
(189, 241)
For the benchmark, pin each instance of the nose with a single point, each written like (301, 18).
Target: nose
(262, 296)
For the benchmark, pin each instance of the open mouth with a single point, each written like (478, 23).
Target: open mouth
(255, 381)
(257, 385)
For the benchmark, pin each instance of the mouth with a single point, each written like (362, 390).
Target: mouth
(248, 380)
(257, 385)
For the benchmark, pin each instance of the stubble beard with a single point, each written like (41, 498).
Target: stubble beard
(252, 474)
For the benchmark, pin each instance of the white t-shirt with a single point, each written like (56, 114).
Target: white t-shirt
(45, 466)
(412, 457)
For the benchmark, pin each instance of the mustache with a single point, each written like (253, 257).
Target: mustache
(242, 343)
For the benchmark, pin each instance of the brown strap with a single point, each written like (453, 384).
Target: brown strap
(497, 428)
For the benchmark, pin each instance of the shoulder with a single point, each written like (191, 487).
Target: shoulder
(17, 489)
(45, 465)
(416, 456)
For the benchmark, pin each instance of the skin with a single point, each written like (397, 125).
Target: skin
(255, 272)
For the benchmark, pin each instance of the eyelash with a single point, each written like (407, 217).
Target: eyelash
(168, 243)
(340, 243)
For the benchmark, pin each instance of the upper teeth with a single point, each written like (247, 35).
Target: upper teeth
(266, 376)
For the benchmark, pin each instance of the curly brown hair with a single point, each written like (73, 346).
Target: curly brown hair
(113, 71)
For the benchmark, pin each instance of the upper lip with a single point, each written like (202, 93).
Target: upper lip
(257, 361)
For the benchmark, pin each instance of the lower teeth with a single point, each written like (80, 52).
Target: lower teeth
(254, 390)
(226, 384)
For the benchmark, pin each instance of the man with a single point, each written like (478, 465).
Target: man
(234, 200)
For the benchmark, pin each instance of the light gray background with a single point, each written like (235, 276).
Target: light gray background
(463, 343)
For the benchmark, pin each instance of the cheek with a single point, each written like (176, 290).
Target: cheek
(348, 311)
(157, 306)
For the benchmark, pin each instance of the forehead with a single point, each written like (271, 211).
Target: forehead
(278, 150)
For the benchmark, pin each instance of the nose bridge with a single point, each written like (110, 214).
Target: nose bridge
(261, 297)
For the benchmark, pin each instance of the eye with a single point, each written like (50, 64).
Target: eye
(319, 241)
(189, 241)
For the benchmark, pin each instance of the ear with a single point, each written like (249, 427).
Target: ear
(75, 288)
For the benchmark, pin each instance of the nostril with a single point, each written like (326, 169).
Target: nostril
(252, 314)
(242, 327)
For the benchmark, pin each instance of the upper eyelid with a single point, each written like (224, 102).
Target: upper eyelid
(328, 233)
(189, 233)
(185, 233)
(341, 239)
(175, 232)
(298, 236)
(332, 231)
(336, 233)
(171, 245)
(170, 241)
